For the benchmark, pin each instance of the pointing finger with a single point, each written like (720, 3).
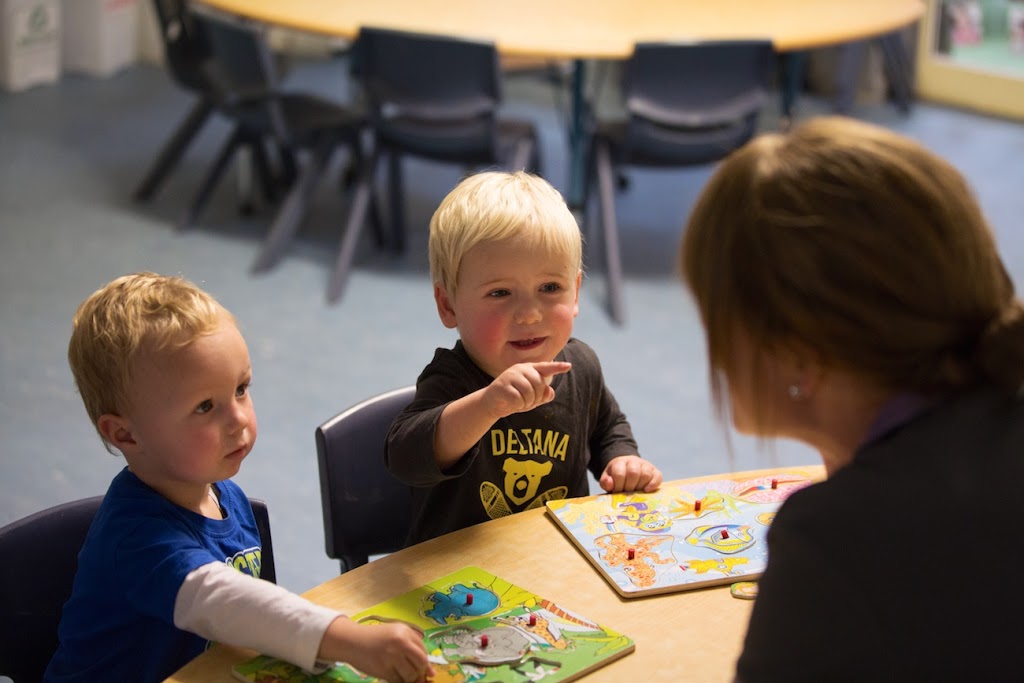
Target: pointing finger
(552, 368)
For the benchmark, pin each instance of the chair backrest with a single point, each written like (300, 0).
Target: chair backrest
(422, 89)
(366, 510)
(38, 561)
(242, 72)
(268, 570)
(695, 102)
(185, 47)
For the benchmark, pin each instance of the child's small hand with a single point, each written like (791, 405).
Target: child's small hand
(392, 651)
(630, 473)
(522, 387)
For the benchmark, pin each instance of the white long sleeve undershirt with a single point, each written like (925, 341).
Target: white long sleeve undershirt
(220, 603)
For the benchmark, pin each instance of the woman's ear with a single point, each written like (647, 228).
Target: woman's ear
(445, 309)
(804, 370)
(117, 432)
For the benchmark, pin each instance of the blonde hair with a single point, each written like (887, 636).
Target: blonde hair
(495, 206)
(133, 315)
(860, 245)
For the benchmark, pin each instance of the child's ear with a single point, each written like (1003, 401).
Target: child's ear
(444, 307)
(117, 431)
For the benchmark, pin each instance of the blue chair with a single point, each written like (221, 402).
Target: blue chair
(366, 510)
(40, 558)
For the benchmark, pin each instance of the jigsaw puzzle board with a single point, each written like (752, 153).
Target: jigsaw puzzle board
(478, 627)
(684, 536)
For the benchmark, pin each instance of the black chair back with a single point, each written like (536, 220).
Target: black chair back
(40, 558)
(431, 96)
(366, 509)
(243, 74)
(693, 103)
(185, 46)
(268, 569)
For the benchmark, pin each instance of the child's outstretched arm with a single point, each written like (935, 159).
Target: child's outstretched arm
(220, 603)
(630, 473)
(518, 389)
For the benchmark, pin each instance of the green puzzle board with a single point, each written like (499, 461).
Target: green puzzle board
(559, 645)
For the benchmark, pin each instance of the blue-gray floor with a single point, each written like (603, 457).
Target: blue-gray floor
(70, 155)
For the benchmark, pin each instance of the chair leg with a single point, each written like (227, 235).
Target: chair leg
(522, 155)
(379, 232)
(536, 165)
(791, 68)
(264, 171)
(293, 209)
(289, 169)
(847, 70)
(172, 150)
(588, 213)
(243, 177)
(898, 70)
(362, 200)
(376, 221)
(610, 230)
(396, 197)
(210, 180)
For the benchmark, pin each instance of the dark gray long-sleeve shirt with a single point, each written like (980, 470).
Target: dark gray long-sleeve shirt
(524, 460)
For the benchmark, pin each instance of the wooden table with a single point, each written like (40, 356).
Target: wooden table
(593, 29)
(692, 635)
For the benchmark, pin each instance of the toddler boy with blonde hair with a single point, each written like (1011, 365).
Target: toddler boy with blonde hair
(518, 411)
(173, 557)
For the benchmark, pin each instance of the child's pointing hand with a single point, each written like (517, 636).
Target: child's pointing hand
(523, 387)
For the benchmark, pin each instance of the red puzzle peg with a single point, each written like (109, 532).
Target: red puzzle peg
(775, 484)
(696, 506)
(533, 620)
(469, 598)
(725, 534)
(631, 554)
(483, 640)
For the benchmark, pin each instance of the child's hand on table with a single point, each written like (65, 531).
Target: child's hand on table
(630, 473)
(391, 651)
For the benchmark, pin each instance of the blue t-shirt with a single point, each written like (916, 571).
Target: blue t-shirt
(118, 624)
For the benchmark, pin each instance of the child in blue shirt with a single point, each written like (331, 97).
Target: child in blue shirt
(173, 557)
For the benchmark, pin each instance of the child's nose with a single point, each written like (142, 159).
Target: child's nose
(239, 416)
(527, 312)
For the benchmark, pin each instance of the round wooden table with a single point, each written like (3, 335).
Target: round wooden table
(593, 29)
(693, 635)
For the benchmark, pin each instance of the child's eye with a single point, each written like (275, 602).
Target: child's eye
(241, 389)
(205, 407)
(495, 293)
(550, 287)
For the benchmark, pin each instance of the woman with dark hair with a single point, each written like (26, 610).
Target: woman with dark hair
(853, 299)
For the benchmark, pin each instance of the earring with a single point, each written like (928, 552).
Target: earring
(795, 392)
